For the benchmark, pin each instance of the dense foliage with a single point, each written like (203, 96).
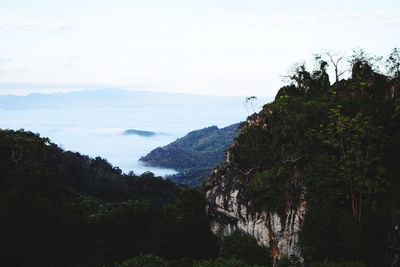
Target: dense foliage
(338, 144)
(154, 261)
(195, 154)
(237, 250)
(63, 209)
(244, 247)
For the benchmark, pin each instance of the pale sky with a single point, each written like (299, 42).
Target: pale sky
(221, 47)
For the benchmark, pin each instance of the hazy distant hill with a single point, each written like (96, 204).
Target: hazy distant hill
(115, 97)
(195, 154)
(94, 121)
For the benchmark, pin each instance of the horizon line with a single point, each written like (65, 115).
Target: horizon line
(26, 88)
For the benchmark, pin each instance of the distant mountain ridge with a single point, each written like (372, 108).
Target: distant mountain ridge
(195, 154)
(109, 97)
(94, 121)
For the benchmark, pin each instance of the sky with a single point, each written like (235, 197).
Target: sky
(217, 47)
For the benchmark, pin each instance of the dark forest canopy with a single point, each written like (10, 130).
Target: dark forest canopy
(341, 144)
(60, 208)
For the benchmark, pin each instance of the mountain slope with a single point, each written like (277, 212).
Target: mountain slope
(314, 176)
(94, 121)
(60, 208)
(195, 154)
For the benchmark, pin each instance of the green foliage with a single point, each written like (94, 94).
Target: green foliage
(304, 83)
(358, 142)
(224, 263)
(245, 248)
(195, 154)
(279, 138)
(291, 261)
(393, 64)
(337, 264)
(143, 261)
(288, 91)
(337, 144)
(266, 189)
(183, 229)
(63, 209)
(154, 261)
(329, 230)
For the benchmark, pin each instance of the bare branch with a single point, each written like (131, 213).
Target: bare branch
(336, 60)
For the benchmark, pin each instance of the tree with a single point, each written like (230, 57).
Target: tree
(307, 83)
(336, 60)
(244, 247)
(363, 64)
(300, 77)
(143, 261)
(393, 64)
(249, 103)
(320, 83)
(356, 141)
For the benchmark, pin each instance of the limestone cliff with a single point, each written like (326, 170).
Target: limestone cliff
(229, 209)
(315, 173)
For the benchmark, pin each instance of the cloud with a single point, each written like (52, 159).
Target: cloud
(332, 17)
(14, 23)
(18, 70)
(5, 60)
(72, 61)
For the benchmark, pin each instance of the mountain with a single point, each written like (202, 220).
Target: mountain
(195, 154)
(117, 97)
(310, 180)
(314, 176)
(93, 122)
(60, 208)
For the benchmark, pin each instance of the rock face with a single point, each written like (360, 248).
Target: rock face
(229, 210)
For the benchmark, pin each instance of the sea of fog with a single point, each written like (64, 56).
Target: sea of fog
(94, 122)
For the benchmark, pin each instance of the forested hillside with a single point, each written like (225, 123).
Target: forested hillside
(311, 180)
(195, 154)
(315, 175)
(60, 208)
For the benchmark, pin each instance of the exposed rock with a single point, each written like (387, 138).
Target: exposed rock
(229, 210)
